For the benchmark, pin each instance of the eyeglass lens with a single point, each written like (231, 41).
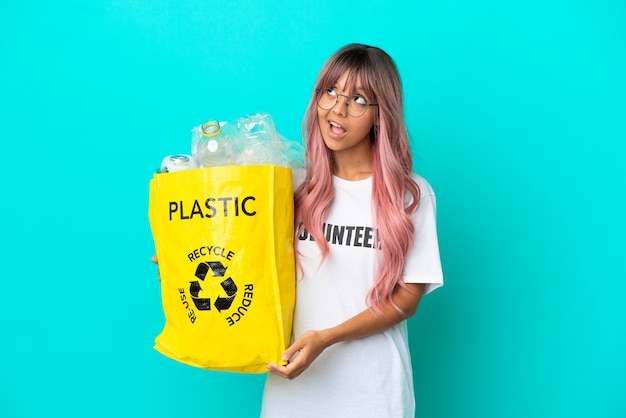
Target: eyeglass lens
(328, 98)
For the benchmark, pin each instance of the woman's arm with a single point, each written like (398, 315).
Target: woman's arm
(364, 324)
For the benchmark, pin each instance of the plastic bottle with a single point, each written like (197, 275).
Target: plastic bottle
(258, 140)
(213, 144)
(177, 162)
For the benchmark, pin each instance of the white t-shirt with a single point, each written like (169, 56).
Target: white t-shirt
(367, 377)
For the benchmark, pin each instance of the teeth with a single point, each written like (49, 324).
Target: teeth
(335, 124)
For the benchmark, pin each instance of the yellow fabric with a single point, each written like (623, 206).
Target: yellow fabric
(224, 241)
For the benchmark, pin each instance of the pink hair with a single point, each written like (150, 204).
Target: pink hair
(391, 165)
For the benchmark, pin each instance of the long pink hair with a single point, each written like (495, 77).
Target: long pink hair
(391, 165)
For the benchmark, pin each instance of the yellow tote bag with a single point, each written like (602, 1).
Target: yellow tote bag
(224, 240)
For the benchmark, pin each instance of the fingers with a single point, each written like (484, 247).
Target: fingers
(156, 261)
(291, 370)
(300, 355)
(276, 368)
(291, 351)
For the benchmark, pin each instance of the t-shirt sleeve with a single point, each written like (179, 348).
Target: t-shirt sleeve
(423, 263)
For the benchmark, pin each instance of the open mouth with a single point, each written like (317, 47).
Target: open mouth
(335, 129)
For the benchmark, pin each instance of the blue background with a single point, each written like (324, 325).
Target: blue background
(517, 115)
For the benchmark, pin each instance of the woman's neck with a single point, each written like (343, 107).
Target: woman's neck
(353, 165)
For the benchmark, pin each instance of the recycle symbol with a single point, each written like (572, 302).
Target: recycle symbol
(229, 286)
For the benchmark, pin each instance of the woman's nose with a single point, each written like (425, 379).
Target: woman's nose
(341, 108)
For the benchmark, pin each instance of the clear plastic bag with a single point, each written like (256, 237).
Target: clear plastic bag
(250, 140)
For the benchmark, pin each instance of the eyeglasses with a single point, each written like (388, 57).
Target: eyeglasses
(357, 105)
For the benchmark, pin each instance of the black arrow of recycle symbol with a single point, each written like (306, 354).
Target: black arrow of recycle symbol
(229, 286)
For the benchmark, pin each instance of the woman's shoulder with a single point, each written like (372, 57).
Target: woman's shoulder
(423, 184)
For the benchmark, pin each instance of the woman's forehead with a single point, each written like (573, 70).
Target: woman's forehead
(349, 80)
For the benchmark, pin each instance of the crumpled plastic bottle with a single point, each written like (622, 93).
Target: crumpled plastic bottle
(257, 140)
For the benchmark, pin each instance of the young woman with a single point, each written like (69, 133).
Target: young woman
(366, 246)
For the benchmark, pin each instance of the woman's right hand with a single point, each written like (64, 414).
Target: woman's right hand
(156, 261)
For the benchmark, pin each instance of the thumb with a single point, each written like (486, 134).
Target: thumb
(291, 351)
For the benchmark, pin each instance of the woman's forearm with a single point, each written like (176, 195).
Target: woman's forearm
(371, 322)
(310, 345)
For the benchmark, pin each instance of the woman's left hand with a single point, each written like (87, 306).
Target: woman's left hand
(308, 348)
(404, 303)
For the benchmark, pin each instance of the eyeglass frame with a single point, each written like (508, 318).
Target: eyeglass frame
(317, 101)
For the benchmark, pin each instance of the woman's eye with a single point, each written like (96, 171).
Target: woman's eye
(360, 100)
(331, 92)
